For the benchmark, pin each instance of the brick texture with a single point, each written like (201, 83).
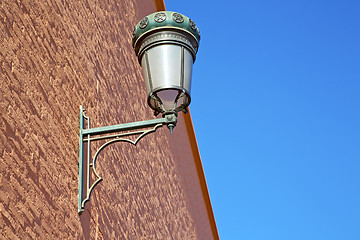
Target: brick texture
(54, 56)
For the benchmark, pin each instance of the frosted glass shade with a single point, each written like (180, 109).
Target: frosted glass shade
(167, 72)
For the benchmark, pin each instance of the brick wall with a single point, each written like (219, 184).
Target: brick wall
(54, 56)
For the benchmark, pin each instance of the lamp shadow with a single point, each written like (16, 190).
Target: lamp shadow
(85, 224)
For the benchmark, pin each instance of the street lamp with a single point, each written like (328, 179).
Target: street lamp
(166, 44)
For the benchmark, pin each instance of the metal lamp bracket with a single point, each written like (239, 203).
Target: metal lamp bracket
(114, 133)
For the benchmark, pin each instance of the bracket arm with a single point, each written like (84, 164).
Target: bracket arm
(86, 135)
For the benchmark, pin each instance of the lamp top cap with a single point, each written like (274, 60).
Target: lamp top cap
(164, 20)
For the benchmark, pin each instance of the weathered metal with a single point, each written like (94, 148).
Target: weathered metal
(86, 135)
(164, 21)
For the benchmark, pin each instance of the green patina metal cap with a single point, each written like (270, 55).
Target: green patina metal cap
(164, 21)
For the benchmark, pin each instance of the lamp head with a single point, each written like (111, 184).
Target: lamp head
(166, 44)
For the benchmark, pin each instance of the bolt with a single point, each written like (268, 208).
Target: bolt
(171, 127)
(169, 117)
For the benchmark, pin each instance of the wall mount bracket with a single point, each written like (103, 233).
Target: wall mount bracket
(113, 133)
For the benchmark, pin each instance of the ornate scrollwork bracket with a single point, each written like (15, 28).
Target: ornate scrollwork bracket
(114, 133)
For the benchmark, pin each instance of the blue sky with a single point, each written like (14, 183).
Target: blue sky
(275, 106)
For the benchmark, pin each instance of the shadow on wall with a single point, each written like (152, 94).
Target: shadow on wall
(85, 224)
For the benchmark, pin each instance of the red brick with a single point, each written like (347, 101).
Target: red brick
(54, 56)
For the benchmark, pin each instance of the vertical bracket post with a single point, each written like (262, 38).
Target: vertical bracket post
(81, 160)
